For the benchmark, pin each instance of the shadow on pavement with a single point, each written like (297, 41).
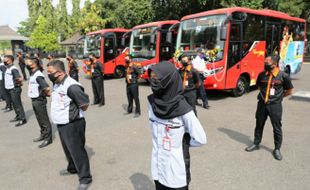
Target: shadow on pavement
(239, 137)
(90, 151)
(141, 182)
(29, 113)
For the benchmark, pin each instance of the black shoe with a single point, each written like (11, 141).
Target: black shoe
(14, 120)
(137, 115)
(206, 106)
(8, 109)
(83, 186)
(277, 154)
(252, 148)
(65, 172)
(40, 138)
(20, 123)
(45, 143)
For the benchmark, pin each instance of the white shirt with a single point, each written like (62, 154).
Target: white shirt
(168, 165)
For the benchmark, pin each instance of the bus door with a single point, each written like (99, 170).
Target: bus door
(109, 52)
(234, 54)
(273, 35)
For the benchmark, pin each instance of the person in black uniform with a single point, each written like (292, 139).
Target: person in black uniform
(190, 79)
(4, 92)
(22, 64)
(97, 70)
(69, 101)
(73, 68)
(273, 85)
(13, 82)
(132, 88)
(38, 89)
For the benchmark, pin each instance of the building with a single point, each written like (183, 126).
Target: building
(10, 41)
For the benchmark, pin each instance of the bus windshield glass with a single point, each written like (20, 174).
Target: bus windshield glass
(203, 32)
(143, 43)
(92, 44)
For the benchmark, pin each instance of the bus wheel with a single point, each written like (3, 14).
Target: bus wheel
(287, 70)
(241, 87)
(119, 72)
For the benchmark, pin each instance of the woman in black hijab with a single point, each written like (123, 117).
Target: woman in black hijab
(174, 127)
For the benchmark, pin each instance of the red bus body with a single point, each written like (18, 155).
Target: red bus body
(227, 74)
(160, 33)
(111, 53)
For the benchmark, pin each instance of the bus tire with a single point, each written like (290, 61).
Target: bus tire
(287, 70)
(119, 72)
(242, 87)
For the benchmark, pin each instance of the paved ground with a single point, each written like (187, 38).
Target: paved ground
(120, 146)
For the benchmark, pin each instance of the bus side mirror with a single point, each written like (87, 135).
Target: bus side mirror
(152, 39)
(223, 32)
(169, 37)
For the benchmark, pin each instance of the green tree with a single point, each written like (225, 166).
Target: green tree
(130, 13)
(76, 15)
(91, 19)
(5, 45)
(42, 37)
(63, 26)
(27, 26)
(253, 4)
(48, 11)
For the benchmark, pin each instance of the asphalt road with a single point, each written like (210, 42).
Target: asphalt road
(119, 146)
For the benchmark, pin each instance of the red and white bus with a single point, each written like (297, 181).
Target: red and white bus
(236, 42)
(147, 43)
(107, 45)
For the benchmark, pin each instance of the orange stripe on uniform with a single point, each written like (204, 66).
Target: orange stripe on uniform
(268, 88)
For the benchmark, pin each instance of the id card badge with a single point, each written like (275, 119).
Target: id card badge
(62, 102)
(167, 143)
(129, 76)
(186, 83)
(92, 70)
(272, 91)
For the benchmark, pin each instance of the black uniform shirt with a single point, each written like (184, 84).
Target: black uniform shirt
(280, 82)
(79, 99)
(3, 69)
(134, 72)
(97, 69)
(73, 69)
(191, 78)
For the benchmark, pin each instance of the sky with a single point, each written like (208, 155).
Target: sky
(12, 12)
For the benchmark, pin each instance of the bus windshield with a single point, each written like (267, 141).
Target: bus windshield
(143, 43)
(202, 32)
(92, 44)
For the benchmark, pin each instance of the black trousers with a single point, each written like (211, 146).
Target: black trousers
(133, 94)
(40, 110)
(274, 111)
(15, 94)
(201, 92)
(23, 70)
(190, 97)
(5, 95)
(72, 137)
(98, 90)
(160, 186)
(1, 90)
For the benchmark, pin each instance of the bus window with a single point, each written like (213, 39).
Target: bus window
(109, 53)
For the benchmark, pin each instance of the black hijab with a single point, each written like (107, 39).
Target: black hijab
(167, 99)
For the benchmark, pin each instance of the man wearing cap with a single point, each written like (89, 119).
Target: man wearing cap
(273, 85)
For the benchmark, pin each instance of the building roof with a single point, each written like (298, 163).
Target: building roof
(8, 34)
(73, 40)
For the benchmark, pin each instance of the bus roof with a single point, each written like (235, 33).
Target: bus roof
(158, 24)
(264, 12)
(108, 30)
